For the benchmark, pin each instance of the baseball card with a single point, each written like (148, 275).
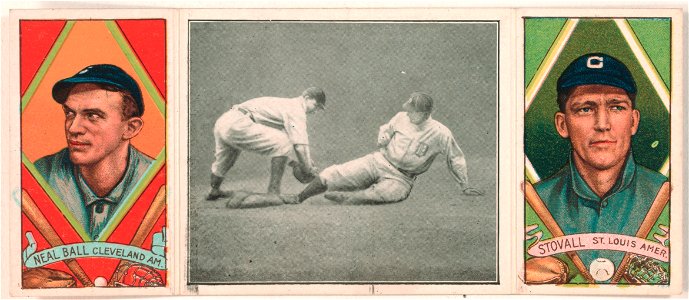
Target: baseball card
(88, 202)
(345, 151)
(602, 151)
(342, 150)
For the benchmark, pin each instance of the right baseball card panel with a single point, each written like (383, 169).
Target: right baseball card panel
(597, 146)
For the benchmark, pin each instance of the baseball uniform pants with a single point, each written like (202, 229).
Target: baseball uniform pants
(369, 178)
(235, 131)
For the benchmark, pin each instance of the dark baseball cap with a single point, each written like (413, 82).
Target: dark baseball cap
(317, 94)
(597, 68)
(103, 74)
(420, 102)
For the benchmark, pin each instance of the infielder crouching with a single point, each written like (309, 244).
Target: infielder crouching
(271, 126)
(408, 145)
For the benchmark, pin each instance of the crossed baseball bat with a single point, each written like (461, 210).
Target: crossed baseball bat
(652, 215)
(48, 232)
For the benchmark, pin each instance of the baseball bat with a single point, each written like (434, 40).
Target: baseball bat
(36, 217)
(542, 211)
(652, 215)
(149, 220)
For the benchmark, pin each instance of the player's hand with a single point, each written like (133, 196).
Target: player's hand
(313, 171)
(473, 192)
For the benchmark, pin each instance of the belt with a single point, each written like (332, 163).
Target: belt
(409, 174)
(406, 173)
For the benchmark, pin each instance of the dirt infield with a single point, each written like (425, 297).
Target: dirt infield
(429, 237)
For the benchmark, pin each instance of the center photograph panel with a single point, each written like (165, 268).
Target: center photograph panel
(342, 152)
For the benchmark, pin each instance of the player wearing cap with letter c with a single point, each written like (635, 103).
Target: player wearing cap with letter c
(601, 188)
(408, 145)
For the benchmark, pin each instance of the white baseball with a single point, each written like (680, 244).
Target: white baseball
(602, 269)
(100, 282)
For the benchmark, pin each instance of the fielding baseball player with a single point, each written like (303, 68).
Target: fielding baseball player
(270, 126)
(408, 145)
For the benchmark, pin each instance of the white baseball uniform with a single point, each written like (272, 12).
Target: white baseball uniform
(407, 150)
(267, 125)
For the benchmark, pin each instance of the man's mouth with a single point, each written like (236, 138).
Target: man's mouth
(73, 143)
(602, 143)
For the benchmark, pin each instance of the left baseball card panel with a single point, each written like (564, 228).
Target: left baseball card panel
(89, 210)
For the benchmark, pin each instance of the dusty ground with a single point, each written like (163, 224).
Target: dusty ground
(432, 236)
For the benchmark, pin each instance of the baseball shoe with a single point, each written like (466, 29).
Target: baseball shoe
(237, 199)
(338, 197)
(216, 194)
(290, 199)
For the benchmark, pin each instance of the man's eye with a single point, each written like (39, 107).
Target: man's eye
(69, 114)
(618, 107)
(585, 109)
(93, 116)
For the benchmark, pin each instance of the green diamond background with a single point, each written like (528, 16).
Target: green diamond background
(545, 149)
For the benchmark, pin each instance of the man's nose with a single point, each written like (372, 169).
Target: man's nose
(602, 120)
(75, 126)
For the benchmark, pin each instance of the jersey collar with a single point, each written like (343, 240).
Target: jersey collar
(582, 189)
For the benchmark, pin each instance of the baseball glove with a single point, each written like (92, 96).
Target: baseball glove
(645, 270)
(546, 270)
(38, 278)
(300, 173)
(133, 274)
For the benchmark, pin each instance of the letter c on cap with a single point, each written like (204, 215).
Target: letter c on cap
(594, 62)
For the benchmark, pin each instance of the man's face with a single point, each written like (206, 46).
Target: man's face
(599, 122)
(312, 106)
(94, 124)
(417, 117)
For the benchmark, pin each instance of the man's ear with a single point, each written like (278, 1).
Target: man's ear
(635, 121)
(134, 125)
(561, 125)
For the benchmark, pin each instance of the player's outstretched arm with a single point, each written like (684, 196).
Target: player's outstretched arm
(456, 162)
(304, 156)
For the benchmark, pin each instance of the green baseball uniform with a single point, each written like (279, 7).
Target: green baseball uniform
(577, 209)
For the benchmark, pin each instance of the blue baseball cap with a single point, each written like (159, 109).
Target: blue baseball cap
(102, 74)
(596, 68)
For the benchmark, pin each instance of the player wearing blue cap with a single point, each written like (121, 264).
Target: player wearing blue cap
(601, 188)
(99, 167)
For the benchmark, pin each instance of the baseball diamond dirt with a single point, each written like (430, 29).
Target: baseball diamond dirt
(367, 70)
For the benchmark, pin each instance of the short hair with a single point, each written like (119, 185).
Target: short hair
(564, 94)
(420, 102)
(315, 93)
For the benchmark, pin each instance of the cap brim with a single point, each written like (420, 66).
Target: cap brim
(604, 80)
(62, 87)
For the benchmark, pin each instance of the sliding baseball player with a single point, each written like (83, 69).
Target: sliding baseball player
(408, 145)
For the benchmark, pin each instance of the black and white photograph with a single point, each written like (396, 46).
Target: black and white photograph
(342, 152)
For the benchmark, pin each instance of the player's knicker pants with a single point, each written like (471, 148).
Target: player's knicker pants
(370, 178)
(235, 131)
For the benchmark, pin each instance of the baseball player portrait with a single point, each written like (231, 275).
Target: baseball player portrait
(99, 167)
(271, 126)
(408, 145)
(601, 189)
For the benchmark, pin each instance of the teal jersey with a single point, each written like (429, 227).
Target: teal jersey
(577, 209)
(91, 211)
